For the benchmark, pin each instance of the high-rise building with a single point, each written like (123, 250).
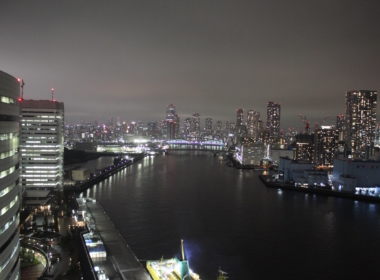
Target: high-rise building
(110, 120)
(340, 126)
(170, 112)
(176, 120)
(10, 198)
(227, 128)
(41, 145)
(208, 126)
(252, 122)
(325, 145)
(360, 122)
(239, 118)
(187, 126)
(195, 125)
(152, 126)
(304, 147)
(260, 125)
(218, 126)
(171, 129)
(170, 117)
(273, 120)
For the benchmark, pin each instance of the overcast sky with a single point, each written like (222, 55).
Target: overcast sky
(132, 58)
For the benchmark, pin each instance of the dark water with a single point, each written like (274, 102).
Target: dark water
(228, 218)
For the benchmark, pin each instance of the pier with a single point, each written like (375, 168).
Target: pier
(120, 262)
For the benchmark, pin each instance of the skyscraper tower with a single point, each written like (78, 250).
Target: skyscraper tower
(340, 124)
(239, 118)
(170, 112)
(187, 126)
(41, 145)
(195, 125)
(360, 122)
(208, 126)
(252, 122)
(176, 120)
(10, 198)
(273, 120)
(325, 145)
(218, 126)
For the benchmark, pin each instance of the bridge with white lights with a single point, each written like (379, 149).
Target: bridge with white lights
(215, 146)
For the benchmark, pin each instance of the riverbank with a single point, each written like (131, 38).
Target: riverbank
(277, 185)
(103, 174)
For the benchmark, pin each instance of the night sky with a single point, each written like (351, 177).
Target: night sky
(132, 58)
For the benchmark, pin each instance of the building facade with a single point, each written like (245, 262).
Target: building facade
(360, 122)
(253, 118)
(10, 198)
(273, 120)
(325, 145)
(41, 145)
(340, 126)
(250, 152)
(239, 118)
(349, 173)
(195, 125)
(208, 126)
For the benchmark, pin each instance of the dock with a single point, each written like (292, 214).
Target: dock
(120, 261)
(284, 186)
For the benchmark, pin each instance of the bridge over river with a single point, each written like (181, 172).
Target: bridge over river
(215, 146)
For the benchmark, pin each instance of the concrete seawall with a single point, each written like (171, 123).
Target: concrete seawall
(105, 174)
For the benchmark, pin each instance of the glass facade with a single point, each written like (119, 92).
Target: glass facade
(9, 176)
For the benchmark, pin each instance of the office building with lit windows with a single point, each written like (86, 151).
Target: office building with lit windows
(41, 145)
(239, 118)
(9, 177)
(252, 122)
(195, 125)
(273, 120)
(325, 145)
(208, 126)
(340, 126)
(360, 122)
(170, 112)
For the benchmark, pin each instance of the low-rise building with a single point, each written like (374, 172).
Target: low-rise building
(80, 174)
(310, 178)
(365, 172)
(287, 167)
(250, 152)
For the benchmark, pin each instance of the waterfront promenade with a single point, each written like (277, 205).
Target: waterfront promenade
(121, 262)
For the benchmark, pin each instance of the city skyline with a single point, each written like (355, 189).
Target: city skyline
(127, 59)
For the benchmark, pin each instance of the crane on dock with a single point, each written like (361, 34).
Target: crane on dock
(222, 275)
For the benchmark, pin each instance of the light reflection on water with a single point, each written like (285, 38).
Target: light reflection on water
(232, 220)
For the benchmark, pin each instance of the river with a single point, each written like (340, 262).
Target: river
(229, 219)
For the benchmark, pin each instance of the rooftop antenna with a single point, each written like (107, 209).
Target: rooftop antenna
(52, 94)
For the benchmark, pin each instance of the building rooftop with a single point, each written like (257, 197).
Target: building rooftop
(37, 193)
